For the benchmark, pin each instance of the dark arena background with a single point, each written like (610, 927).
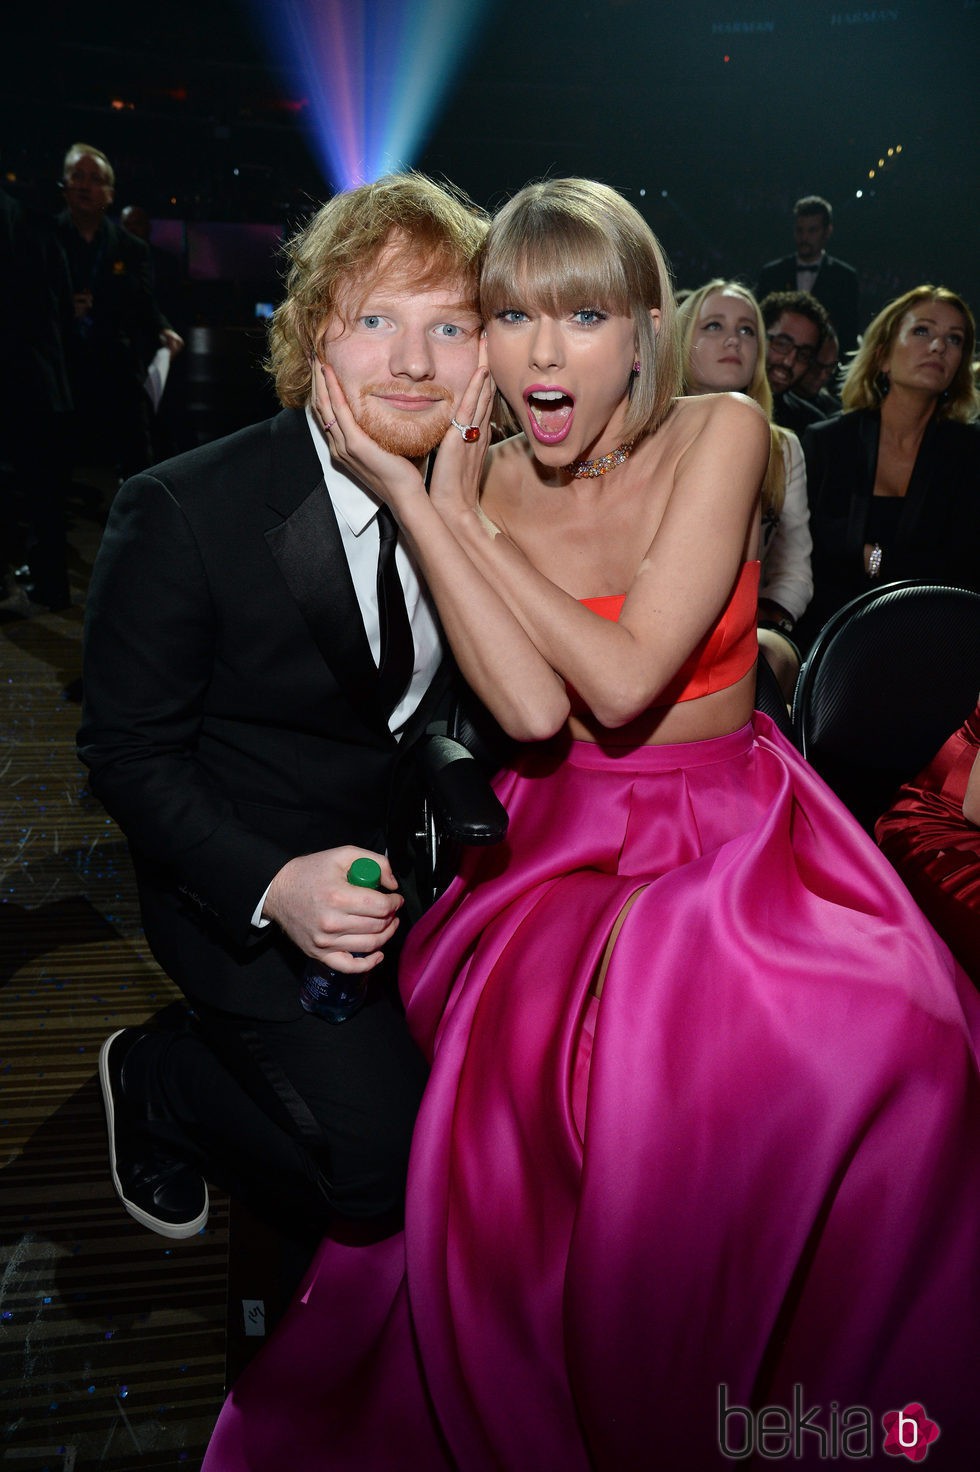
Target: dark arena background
(228, 122)
(711, 118)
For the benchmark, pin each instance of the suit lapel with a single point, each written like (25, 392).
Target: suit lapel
(866, 427)
(309, 552)
(924, 474)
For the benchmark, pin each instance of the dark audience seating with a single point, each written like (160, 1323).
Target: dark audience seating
(886, 681)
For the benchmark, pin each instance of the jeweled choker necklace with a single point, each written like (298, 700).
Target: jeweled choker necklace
(602, 465)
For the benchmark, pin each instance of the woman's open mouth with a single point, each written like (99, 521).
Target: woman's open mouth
(550, 412)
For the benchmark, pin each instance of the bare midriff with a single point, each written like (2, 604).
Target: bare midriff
(716, 714)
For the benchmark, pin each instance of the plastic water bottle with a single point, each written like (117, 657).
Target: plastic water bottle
(337, 995)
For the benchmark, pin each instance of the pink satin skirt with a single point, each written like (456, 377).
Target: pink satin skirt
(754, 1164)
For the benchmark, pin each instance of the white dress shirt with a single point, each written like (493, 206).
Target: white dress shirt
(807, 272)
(357, 517)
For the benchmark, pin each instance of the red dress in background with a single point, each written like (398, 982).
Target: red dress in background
(936, 849)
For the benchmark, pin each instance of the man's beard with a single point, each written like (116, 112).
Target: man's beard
(400, 433)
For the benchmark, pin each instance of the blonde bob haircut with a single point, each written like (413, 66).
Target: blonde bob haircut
(757, 388)
(862, 388)
(431, 232)
(564, 244)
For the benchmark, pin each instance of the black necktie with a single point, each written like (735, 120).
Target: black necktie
(397, 648)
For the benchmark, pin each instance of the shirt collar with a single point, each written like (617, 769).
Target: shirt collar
(350, 500)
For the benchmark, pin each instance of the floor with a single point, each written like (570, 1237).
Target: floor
(111, 1339)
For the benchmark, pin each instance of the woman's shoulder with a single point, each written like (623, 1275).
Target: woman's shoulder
(727, 408)
(725, 419)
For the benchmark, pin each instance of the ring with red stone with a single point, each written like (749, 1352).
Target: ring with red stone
(470, 432)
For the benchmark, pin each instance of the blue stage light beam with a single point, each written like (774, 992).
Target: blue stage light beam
(373, 73)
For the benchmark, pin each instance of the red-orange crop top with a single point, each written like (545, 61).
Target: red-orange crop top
(725, 654)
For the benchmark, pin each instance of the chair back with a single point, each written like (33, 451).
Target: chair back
(890, 676)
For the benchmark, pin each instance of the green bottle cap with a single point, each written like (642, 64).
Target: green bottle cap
(365, 873)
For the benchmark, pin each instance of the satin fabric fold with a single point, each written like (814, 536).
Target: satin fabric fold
(755, 1162)
(936, 849)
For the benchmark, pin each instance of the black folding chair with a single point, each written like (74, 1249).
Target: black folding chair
(887, 680)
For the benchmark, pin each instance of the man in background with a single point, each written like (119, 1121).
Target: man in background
(118, 325)
(796, 327)
(833, 282)
(818, 386)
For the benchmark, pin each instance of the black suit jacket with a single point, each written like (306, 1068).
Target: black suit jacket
(835, 287)
(792, 412)
(938, 534)
(126, 320)
(231, 719)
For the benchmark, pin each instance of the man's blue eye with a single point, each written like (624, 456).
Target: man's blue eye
(449, 329)
(371, 321)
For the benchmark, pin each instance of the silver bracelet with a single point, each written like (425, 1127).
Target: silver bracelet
(874, 561)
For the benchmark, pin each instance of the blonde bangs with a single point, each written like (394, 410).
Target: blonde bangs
(562, 245)
(556, 269)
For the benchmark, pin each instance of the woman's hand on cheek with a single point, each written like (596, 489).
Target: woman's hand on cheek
(458, 471)
(389, 476)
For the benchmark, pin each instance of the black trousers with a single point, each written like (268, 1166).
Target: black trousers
(303, 1119)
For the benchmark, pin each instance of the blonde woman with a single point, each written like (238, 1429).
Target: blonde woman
(894, 481)
(722, 336)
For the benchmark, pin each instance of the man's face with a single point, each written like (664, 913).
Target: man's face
(791, 345)
(403, 355)
(88, 192)
(812, 233)
(821, 370)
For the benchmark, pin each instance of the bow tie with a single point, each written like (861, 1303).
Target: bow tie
(801, 267)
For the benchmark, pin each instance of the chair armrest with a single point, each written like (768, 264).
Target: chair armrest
(465, 807)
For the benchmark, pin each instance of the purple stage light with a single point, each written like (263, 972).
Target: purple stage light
(374, 72)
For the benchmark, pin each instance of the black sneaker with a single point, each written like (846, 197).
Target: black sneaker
(157, 1188)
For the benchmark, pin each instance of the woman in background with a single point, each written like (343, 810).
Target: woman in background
(894, 481)
(721, 349)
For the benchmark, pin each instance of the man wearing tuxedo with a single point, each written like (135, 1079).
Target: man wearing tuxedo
(118, 324)
(833, 282)
(238, 727)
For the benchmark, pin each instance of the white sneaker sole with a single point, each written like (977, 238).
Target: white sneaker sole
(164, 1229)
